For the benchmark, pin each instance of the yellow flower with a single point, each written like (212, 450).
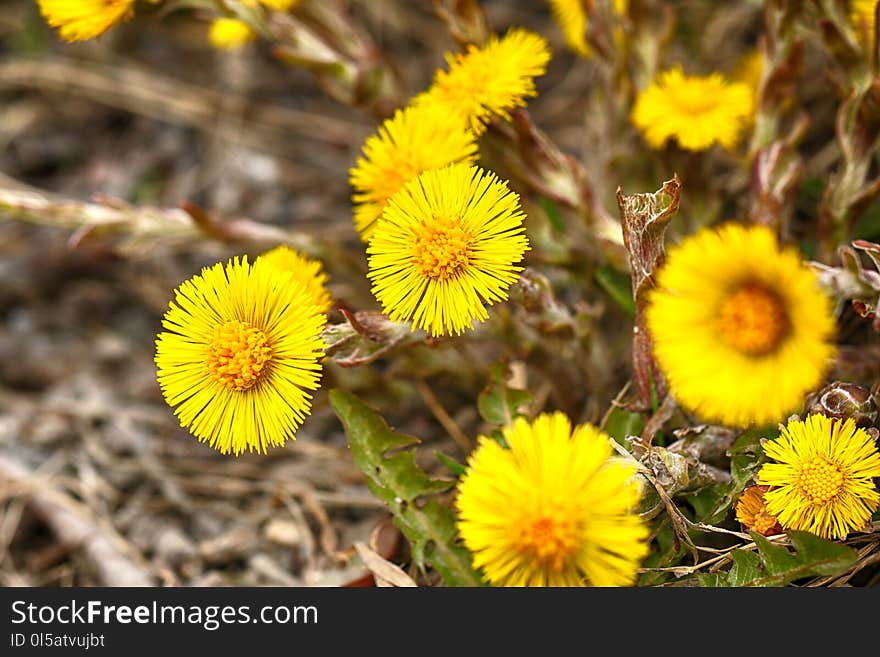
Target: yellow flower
(85, 19)
(696, 111)
(491, 81)
(749, 69)
(740, 327)
(751, 511)
(822, 482)
(863, 17)
(239, 355)
(447, 244)
(555, 509)
(307, 272)
(280, 5)
(571, 15)
(230, 33)
(412, 141)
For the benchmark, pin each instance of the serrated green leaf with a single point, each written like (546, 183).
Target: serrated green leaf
(776, 565)
(746, 568)
(813, 556)
(826, 557)
(498, 402)
(777, 559)
(393, 477)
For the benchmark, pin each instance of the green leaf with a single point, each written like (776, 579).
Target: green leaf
(553, 215)
(746, 458)
(706, 500)
(622, 423)
(777, 559)
(710, 579)
(667, 553)
(499, 438)
(393, 477)
(498, 402)
(776, 565)
(814, 556)
(749, 442)
(618, 285)
(868, 226)
(746, 568)
(451, 464)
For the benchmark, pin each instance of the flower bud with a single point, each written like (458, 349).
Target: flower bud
(845, 400)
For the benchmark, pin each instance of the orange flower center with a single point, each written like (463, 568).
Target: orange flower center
(442, 249)
(820, 479)
(238, 355)
(763, 522)
(751, 511)
(550, 538)
(752, 320)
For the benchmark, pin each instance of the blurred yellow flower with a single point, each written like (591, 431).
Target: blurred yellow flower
(280, 5)
(85, 19)
(309, 273)
(555, 509)
(447, 244)
(491, 81)
(240, 354)
(696, 111)
(863, 16)
(410, 142)
(230, 33)
(749, 70)
(571, 15)
(823, 480)
(740, 327)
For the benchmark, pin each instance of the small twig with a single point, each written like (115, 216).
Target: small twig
(168, 225)
(443, 417)
(75, 529)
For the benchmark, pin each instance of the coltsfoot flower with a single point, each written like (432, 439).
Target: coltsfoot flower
(447, 245)
(751, 511)
(279, 5)
(412, 141)
(695, 111)
(78, 20)
(822, 481)
(555, 509)
(739, 326)
(240, 355)
(571, 15)
(491, 81)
